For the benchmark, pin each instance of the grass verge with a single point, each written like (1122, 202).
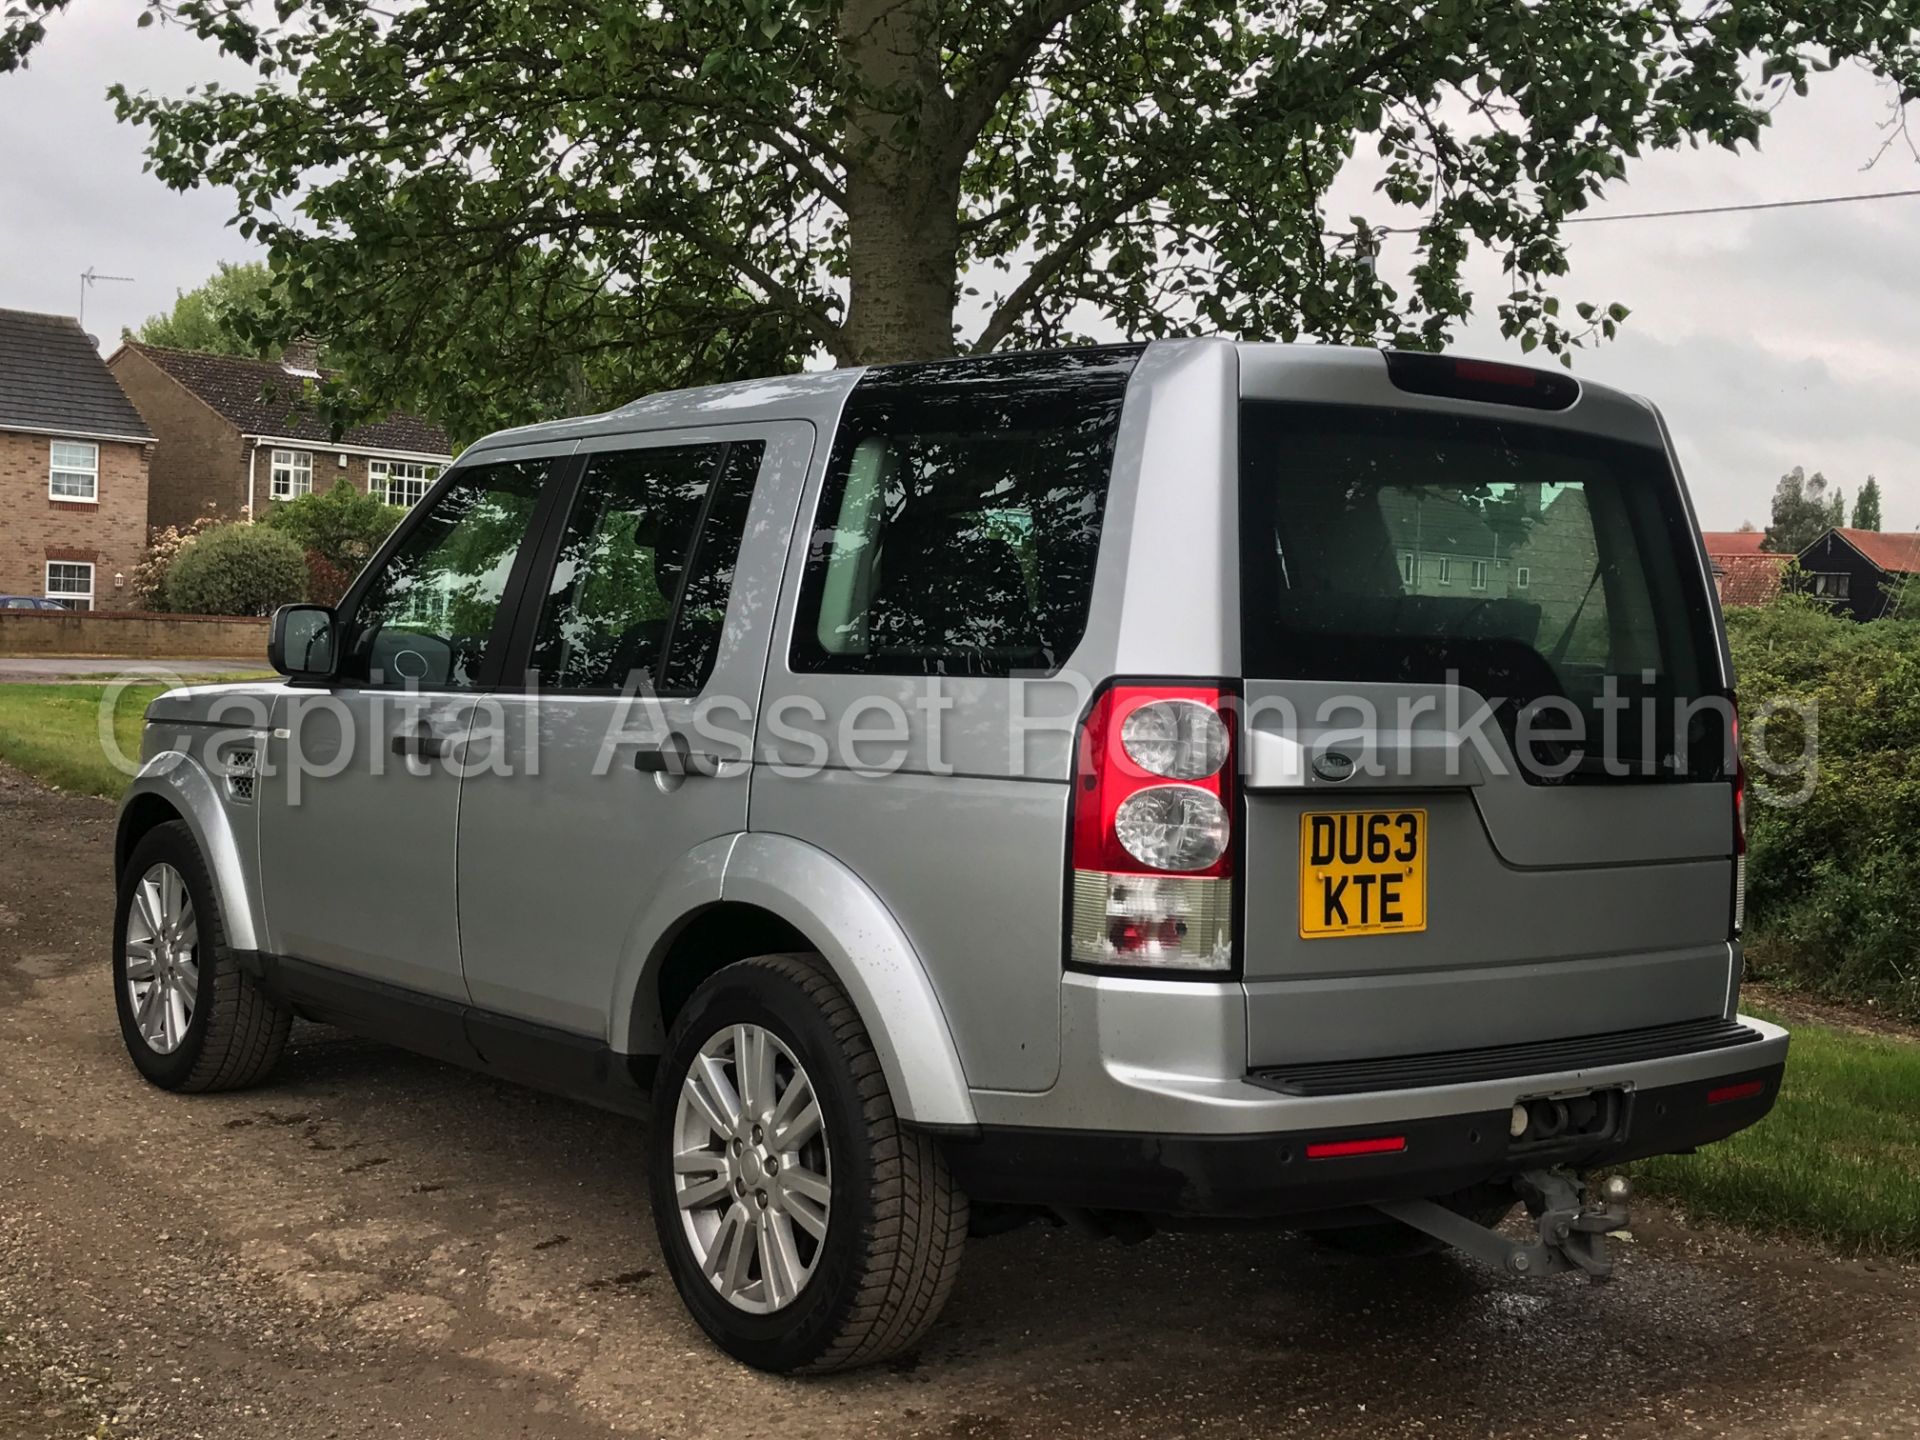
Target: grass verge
(1838, 1160)
(53, 732)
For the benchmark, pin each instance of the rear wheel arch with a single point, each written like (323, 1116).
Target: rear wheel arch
(702, 943)
(861, 944)
(758, 893)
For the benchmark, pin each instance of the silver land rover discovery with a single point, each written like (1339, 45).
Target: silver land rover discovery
(1132, 785)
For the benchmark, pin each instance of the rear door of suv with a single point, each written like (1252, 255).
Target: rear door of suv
(641, 645)
(1488, 798)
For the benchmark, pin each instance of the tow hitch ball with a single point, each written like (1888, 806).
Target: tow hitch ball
(1570, 1232)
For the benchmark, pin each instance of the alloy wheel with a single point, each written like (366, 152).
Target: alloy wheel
(162, 959)
(751, 1171)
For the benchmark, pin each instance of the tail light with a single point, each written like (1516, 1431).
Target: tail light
(1487, 381)
(1153, 830)
(1739, 829)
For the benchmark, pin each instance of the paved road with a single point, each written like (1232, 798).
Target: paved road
(377, 1245)
(55, 667)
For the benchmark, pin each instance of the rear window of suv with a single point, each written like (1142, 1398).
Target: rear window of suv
(1527, 563)
(960, 519)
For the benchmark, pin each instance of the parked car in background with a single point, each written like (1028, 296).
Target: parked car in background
(29, 602)
(1108, 785)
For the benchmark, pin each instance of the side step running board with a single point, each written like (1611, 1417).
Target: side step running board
(1571, 1233)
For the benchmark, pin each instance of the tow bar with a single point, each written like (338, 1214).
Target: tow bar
(1571, 1234)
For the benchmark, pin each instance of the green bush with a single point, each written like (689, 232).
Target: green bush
(1833, 878)
(237, 570)
(343, 526)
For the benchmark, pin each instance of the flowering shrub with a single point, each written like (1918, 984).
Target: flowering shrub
(148, 581)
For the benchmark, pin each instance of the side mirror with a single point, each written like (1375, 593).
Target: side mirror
(300, 642)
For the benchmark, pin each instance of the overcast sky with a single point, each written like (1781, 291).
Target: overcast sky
(1770, 340)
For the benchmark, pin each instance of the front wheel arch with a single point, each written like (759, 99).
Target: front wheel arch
(143, 813)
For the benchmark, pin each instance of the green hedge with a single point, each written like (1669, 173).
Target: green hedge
(1833, 877)
(236, 570)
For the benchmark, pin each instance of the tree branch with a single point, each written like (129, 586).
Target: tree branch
(980, 97)
(1000, 324)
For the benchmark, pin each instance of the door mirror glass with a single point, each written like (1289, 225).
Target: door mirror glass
(300, 644)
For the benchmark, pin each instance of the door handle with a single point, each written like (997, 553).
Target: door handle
(674, 756)
(422, 743)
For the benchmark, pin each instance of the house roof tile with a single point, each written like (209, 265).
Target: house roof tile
(1735, 542)
(1897, 552)
(1750, 579)
(52, 379)
(265, 397)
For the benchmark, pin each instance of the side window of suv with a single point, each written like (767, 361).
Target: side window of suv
(959, 523)
(645, 568)
(428, 616)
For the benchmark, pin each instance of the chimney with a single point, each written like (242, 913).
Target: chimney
(302, 355)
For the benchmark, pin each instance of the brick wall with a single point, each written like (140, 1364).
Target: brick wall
(134, 635)
(110, 534)
(200, 459)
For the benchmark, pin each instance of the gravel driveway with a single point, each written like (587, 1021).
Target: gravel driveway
(379, 1245)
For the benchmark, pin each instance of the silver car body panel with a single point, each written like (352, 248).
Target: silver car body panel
(606, 833)
(936, 891)
(181, 782)
(823, 899)
(1160, 1057)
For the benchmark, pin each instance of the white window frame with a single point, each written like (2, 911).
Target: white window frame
(1443, 571)
(68, 597)
(1481, 569)
(381, 477)
(290, 474)
(91, 472)
(1522, 577)
(1410, 568)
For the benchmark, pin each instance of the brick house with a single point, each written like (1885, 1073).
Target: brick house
(74, 458)
(236, 434)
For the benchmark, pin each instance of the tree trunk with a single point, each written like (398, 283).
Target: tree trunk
(903, 185)
(903, 268)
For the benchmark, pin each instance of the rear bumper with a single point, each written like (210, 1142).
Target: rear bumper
(1273, 1175)
(1154, 1111)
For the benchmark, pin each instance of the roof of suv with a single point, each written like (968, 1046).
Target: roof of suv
(817, 395)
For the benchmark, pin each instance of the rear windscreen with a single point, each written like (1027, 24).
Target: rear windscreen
(1552, 573)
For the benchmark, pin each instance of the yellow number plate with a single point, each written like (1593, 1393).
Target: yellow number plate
(1362, 872)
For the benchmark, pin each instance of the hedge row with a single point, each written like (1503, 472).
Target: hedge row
(1833, 815)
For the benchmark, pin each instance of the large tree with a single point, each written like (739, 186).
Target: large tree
(1805, 507)
(1866, 506)
(209, 316)
(469, 196)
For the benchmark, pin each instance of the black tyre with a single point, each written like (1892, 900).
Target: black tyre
(806, 1228)
(1391, 1240)
(191, 1017)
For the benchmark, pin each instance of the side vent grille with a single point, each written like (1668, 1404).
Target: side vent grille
(242, 763)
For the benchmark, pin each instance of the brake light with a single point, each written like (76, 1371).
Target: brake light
(1152, 826)
(1488, 381)
(1489, 372)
